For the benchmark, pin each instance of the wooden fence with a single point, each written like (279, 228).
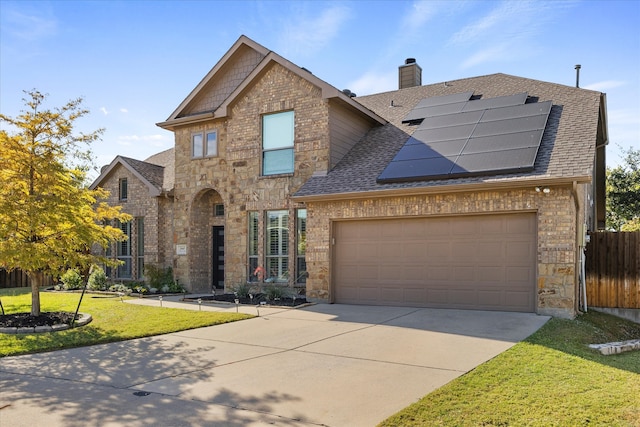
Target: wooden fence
(613, 269)
(18, 279)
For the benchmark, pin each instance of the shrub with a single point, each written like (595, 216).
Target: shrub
(242, 290)
(120, 288)
(97, 279)
(161, 278)
(275, 292)
(71, 280)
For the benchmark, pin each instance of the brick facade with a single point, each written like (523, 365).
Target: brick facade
(251, 81)
(156, 212)
(234, 179)
(556, 219)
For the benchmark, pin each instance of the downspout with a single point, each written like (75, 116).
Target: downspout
(580, 255)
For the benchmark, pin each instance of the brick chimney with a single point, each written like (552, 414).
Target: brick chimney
(409, 74)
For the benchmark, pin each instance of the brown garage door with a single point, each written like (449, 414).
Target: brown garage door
(482, 262)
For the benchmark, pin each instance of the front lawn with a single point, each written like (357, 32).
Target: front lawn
(112, 321)
(550, 379)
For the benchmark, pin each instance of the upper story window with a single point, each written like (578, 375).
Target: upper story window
(277, 143)
(123, 191)
(204, 145)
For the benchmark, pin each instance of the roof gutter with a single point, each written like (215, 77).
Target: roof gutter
(457, 188)
(196, 118)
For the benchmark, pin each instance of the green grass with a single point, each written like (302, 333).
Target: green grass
(551, 379)
(112, 321)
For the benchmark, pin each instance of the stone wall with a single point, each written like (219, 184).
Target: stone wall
(556, 217)
(140, 204)
(234, 179)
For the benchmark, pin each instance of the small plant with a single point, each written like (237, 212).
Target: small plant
(97, 279)
(120, 288)
(242, 290)
(140, 290)
(71, 280)
(161, 278)
(276, 292)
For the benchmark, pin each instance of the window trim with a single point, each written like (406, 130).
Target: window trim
(301, 255)
(283, 251)
(124, 251)
(279, 148)
(204, 144)
(253, 243)
(123, 190)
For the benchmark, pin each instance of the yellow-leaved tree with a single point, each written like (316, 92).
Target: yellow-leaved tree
(49, 218)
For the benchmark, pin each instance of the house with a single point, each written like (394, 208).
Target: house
(144, 190)
(473, 194)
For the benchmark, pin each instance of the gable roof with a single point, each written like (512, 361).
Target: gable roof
(566, 153)
(224, 83)
(156, 172)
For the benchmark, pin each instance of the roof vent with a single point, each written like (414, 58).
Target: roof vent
(409, 74)
(348, 93)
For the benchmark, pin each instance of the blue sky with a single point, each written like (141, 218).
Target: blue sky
(134, 62)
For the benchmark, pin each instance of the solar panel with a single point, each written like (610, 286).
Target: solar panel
(470, 137)
(501, 101)
(438, 105)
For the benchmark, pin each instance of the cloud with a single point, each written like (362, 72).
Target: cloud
(507, 31)
(309, 34)
(509, 18)
(104, 111)
(373, 82)
(28, 25)
(420, 12)
(124, 110)
(487, 55)
(605, 85)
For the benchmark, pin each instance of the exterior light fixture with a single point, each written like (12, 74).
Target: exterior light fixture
(544, 190)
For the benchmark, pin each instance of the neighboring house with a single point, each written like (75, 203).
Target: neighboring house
(473, 193)
(144, 190)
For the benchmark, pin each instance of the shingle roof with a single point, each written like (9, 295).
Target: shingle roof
(165, 159)
(157, 172)
(567, 149)
(152, 173)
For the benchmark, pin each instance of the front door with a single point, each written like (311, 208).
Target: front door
(218, 258)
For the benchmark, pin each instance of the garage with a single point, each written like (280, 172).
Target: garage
(479, 262)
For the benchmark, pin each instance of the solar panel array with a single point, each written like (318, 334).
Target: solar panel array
(459, 136)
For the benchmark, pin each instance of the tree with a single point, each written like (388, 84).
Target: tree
(49, 218)
(623, 194)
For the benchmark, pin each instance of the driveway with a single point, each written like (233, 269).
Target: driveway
(327, 365)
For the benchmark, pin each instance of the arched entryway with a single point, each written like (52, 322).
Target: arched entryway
(206, 240)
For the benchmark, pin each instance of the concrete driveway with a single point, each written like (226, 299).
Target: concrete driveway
(328, 365)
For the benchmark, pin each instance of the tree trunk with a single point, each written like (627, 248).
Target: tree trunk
(36, 278)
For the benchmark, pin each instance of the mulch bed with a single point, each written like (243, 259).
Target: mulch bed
(257, 299)
(26, 320)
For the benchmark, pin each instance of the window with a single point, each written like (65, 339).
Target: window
(301, 246)
(122, 189)
(277, 143)
(140, 246)
(218, 210)
(124, 252)
(277, 246)
(211, 148)
(204, 147)
(196, 145)
(253, 247)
